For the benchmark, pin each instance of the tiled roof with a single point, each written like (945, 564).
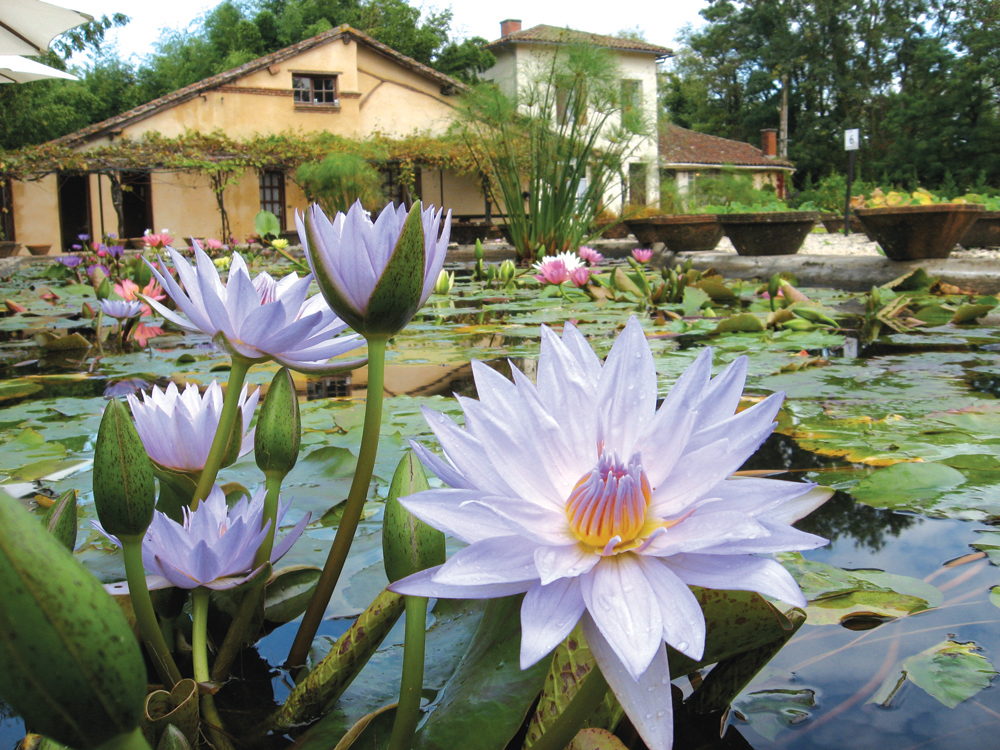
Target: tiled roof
(682, 146)
(543, 34)
(190, 92)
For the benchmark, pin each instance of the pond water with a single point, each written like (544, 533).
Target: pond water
(903, 631)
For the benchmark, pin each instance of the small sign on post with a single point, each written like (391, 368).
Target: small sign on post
(852, 142)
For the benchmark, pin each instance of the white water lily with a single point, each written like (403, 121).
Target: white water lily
(256, 319)
(214, 547)
(578, 492)
(177, 427)
(120, 309)
(375, 282)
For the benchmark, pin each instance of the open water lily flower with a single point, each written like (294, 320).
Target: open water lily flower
(256, 319)
(121, 309)
(214, 547)
(375, 280)
(177, 427)
(578, 492)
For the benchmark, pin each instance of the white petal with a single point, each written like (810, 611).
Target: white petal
(793, 510)
(626, 393)
(737, 573)
(496, 560)
(647, 701)
(683, 620)
(779, 538)
(548, 614)
(451, 511)
(423, 584)
(623, 606)
(565, 561)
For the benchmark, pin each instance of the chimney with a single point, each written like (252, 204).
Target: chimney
(769, 142)
(509, 26)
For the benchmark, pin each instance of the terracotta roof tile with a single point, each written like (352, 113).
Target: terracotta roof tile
(190, 92)
(543, 34)
(681, 146)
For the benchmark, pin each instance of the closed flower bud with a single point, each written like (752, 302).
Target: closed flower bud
(69, 664)
(123, 475)
(408, 544)
(507, 271)
(279, 428)
(445, 282)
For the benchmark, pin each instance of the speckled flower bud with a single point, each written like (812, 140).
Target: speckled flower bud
(279, 428)
(408, 544)
(124, 490)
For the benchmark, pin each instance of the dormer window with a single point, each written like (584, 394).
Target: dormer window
(315, 90)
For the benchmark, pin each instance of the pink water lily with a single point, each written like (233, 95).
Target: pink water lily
(590, 255)
(580, 276)
(214, 547)
(643, 256)
(602, 509)
(256, 319)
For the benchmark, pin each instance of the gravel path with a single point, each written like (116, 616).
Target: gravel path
(823, 243)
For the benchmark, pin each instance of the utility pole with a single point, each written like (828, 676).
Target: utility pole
(783, 132)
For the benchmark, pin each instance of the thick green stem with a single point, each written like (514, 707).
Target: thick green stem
(411, 686)
(251, 599)
(352, 509)
(133, 740)
(230, 405)
(142, 604)
(199, 657)
(581, 708)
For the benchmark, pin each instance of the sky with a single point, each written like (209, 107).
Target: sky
(660, 22)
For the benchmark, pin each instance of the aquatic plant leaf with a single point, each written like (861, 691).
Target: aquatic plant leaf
(901, 484)
(288, 592)
(594, 738)
(950, 672)
(970, 313)
(694, 300)
(995, 596)
(772, 711)
(741, 323)
(488, 696)
(177, 708)
(18, 388)
(571, 662)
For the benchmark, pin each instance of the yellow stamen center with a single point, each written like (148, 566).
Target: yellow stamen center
(609, 503)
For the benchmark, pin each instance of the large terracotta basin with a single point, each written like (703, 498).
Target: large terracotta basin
(681, 233)
(915, 232)
(985, 232)
(773, 233)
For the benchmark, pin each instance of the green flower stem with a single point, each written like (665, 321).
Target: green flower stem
(411, 686)
(100, 318)
(573, 718)
(272, 483)
(352, 509)
(133, 740)
(237, 632)
(237, 374)
(149, 626)
(199, 657)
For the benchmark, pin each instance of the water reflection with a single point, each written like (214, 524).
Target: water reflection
(843, 519)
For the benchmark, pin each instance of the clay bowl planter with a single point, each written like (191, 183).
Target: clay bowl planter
(39, 249)
(681, 233)
(8, 248)
(136, 243)
(985, 232)
(915, 232)
(772, 233)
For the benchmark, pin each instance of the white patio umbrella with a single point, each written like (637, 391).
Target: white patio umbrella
(14, 69)
(27, 26)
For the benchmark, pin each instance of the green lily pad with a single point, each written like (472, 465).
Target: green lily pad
(950, 672)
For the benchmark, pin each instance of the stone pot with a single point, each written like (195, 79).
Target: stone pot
(770, 233)
(8, 248)
(915, 232)
(985, 232)
(467, 232)
(136, 243)
(609, 231)
(39, 249)
(681, 233)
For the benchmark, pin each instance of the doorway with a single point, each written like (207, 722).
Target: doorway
(137, 204)
(74, 208)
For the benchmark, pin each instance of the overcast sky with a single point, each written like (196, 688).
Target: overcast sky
(660, 22)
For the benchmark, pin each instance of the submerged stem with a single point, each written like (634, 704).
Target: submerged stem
(230, 405)
(145, 615)
(199, 657)
(353, 508)
(412, 683)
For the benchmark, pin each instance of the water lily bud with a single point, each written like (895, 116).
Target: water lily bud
(479, 249)
(279, 428)
(445, 282)
(408, 544)
(60, 519)
(507, 271)
(69, 664)
(124, 491)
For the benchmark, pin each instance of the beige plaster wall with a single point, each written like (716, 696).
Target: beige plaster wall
(462, 193)
(36, 212)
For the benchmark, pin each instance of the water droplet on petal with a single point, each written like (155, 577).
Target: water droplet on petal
(651, 688)
(682, 646)
(664, 680)
(649, 716)
(660, 714)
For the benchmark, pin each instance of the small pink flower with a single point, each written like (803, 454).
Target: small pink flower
(590, 255)
(580, 276)
(552, 271)
(128, 290)
(643, 256)
(214, 244)
(161, 240)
